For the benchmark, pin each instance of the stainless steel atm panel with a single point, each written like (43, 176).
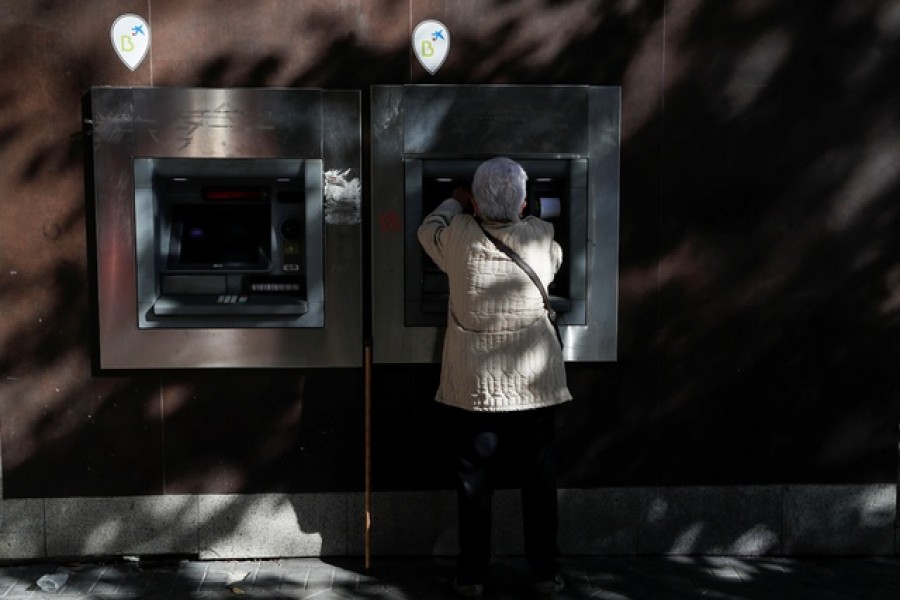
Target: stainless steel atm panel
(428, 139)
(225, 226)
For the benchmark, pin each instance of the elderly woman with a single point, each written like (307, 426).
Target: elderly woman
(502, 370)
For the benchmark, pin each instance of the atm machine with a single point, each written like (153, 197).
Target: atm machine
(428, 139)
(218, 220)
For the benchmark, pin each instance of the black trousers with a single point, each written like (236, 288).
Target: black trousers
(508, 449)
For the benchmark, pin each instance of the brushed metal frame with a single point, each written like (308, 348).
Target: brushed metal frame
(479, 121)
(122, 124)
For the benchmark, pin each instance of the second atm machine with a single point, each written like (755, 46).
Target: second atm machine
(427, 139)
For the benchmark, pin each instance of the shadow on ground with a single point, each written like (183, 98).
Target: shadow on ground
(623, 578)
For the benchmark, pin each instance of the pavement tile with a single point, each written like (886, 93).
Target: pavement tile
(602, 578)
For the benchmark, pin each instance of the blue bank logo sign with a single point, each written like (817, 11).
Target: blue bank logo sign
(130, 35)
(431, 43)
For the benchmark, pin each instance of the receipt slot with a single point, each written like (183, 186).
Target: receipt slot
(216, 240)
(429, 139)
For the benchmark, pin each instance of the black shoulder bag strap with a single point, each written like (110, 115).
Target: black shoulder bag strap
(531, 274)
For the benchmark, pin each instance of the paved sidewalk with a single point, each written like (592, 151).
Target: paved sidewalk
(611, 578)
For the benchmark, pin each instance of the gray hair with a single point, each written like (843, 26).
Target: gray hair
(499, 189)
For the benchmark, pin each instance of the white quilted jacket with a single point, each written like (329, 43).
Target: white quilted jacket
(500, 350)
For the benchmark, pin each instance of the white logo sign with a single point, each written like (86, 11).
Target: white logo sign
(431, 43)
(131, 38)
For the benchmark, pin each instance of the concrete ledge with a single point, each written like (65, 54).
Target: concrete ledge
(121, 526)
(710, 520)
(22, 529)
(599, 522)
(273, 525)
(409, 523)
(738, 520)
(840, 519)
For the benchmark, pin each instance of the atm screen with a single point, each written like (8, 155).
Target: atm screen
(220, 236)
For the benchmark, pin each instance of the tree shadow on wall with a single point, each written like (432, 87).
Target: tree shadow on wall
(776, 259)
(759, 269)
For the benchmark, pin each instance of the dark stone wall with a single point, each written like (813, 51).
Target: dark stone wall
(759, 266)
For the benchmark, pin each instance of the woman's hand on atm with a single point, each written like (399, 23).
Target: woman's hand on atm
(463, 195)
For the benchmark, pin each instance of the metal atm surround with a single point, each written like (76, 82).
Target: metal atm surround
(421, 130)
(134, 135)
